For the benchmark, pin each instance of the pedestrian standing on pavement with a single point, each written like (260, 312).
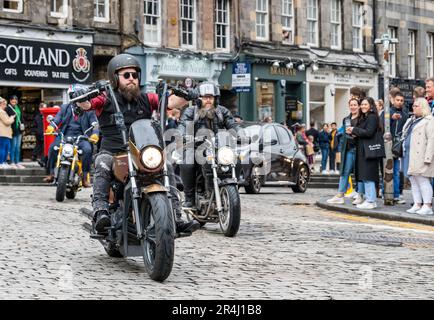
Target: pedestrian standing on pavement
(17, 132)
(314, 133)
(429, 89)
(334, 144)
(398, 118)
(418, 159)
(347, 148)
(324, 145)
(38, 151)
(369, 150)
(6, 122)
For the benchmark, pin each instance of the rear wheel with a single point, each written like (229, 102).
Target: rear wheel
(302, 180)
(230, 216)
(255, 182)
(159, 243)
(62, 180)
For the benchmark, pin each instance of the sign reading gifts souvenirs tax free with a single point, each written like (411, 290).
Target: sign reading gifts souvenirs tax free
(48, 62)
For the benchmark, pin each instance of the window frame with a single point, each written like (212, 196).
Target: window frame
(315, 21)
(106, 17)
(19, 10)
(290, 16)
(158, 26)
(266, 14)
(193, 22)
(392, 52)
(411, 68)
(58, 14)
(359, 6)
(224, 25)
(337, 23)
(430, 55)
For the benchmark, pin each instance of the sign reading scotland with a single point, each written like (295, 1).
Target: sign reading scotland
(49, 62)
(241, 77)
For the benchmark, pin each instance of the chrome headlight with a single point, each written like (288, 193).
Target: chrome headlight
(68, 150)
(226, 156)
(151, 157)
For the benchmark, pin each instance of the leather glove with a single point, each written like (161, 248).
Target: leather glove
(94, 138)
(49, 129)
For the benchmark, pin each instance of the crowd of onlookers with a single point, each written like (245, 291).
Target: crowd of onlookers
(361, 148)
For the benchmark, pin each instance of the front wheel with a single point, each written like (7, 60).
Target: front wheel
(159, 242)
(230, 215)
(302, 180)
(62, 180)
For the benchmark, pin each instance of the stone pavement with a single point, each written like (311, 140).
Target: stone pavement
(287, 248)
(396, 212)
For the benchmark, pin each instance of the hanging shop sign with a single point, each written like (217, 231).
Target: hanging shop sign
(49, 62)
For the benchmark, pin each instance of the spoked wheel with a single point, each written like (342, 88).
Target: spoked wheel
(256, 181)
(230, 216)
(159, 242)
(302, 180)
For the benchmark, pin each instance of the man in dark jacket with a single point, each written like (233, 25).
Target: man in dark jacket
(314, 133)
(397, 120)
(207, 114)
(324, 145)
(72, 126)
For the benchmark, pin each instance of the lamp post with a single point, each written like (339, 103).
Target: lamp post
(386, 41)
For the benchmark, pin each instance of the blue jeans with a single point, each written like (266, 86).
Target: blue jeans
(396, 167)
(16, 149)
(368, 189)
(325, 155)
(350, 159)
(5, 144)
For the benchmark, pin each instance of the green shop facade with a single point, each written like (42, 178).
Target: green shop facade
(275, 91)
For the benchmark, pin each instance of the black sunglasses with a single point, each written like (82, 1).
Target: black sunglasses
(127, 75)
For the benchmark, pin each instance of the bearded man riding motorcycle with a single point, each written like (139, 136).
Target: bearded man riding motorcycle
(124, 74)
(207, 114)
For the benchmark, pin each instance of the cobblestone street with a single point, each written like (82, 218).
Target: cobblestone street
(286, 248)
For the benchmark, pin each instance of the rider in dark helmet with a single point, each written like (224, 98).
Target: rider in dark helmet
(206, 114)
(124, 73)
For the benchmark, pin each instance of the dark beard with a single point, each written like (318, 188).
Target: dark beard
(206, 113)
(130, 93)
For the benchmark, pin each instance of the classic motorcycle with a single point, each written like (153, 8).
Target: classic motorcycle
(68, 173)
(216, 193)
(142, 219)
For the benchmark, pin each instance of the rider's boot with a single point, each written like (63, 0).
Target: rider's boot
(185, 226)
(189, 200)
(102, 221)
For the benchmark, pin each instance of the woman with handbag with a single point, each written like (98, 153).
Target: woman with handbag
(369, 151)
(347, 149)
(418, 164)
(5, 133)
(17, 132)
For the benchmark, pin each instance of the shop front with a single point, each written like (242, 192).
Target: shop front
(172, 66)
(328, 92)
(38, 66)
(275, 91)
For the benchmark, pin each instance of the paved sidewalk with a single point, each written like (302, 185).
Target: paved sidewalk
(396, 212)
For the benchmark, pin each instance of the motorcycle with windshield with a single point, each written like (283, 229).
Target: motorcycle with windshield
(142, 217)
(68, 173)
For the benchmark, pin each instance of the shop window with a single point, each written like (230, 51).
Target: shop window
(59, 8)
(357, 26)
(265, 100)
(392, 52)
(152, 22)
(336, 25)
(13, 6)
(411, 54)
(262, 20)
(430, 55)
(101, 10)
(312, 23)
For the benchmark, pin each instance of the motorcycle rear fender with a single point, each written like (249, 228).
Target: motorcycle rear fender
(153, 188)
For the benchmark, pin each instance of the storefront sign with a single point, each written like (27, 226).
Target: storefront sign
(241, 77)
(184, 68)
(279, 71)
(342, 78)
(48, 62)
(290, 103)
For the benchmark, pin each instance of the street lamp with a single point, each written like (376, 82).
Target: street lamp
(386, 40)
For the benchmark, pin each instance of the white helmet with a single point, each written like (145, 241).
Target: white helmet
(208, 89)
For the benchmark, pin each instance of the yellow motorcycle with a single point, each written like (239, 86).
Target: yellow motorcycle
(68, 173)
